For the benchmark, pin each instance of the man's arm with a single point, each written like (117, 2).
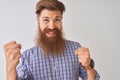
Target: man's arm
(90, 73)
(85, 60)
(12, 55)
(11, 74)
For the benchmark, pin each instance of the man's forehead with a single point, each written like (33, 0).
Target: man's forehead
(50, 13)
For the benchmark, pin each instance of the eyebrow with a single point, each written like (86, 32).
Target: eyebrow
(44, 17)
(58, 17)
(48, 17)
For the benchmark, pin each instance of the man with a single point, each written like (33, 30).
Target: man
(53, 57)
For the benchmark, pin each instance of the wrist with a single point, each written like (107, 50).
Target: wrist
(11, 73)
(91, 74)
(91, 65)
(10, 69)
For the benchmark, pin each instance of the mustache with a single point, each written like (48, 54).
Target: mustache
(51, 30)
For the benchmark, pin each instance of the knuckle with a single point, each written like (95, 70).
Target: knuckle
(4, 46)
(87, 53)
(19, 55)
(7, 54)
(18, 49)
(17, 52)
(17, 61)
(12, 42)
(12, 57)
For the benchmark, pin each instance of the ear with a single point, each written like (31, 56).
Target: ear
(37, 19)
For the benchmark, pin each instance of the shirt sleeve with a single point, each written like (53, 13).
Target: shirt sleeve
(83, 74)
(97, 77)
(22, 69)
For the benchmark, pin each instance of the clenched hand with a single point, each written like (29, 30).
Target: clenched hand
(12, 55)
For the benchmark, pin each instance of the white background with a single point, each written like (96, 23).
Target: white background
(93, 23)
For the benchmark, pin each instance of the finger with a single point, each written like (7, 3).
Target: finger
(81, 53)
(83, 49)
(9, 43)
(12, 46)
(13, 51)
(19, 45)
(12, 42)
(82, 58)
(17, 56)
(83, 61)
(13, 56)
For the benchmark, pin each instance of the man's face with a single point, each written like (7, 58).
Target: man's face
(50, 35)
(49, 20)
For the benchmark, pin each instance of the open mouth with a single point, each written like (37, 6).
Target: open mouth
(51, 34)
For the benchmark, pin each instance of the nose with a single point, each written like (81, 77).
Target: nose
(52, 25)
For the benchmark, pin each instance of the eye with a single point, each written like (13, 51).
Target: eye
(57, 20)
(45, 20)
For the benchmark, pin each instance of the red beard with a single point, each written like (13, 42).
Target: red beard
(54, 45)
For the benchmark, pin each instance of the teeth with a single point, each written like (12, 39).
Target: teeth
(51, 34)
